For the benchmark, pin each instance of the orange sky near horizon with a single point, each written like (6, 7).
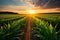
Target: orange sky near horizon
(24, 9)
(35, 11)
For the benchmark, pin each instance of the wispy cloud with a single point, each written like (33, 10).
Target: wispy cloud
(13, 7)
(48, 3)
(22, 5)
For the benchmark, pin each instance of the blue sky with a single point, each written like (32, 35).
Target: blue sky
(11, 2)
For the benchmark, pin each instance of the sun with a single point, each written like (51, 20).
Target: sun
(31, 11)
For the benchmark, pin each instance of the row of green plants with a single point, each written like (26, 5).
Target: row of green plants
(51, 19)
(42, 30)
(4, 18)
(12, 30)
(11, 16)
(54, 20)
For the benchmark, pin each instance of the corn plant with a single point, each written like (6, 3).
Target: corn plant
(43, 30)
(12, 31)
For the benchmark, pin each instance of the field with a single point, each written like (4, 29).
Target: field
(31, 27)
(46, 27)
(11, 26)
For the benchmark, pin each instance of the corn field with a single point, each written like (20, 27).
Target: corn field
(12, 27)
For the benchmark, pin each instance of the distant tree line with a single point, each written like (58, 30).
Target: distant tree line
(8, 13)
(51, 13)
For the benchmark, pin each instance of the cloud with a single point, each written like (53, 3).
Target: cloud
(47, 3)
(54, 4)
(11, 2)
(22, 5)
(13, 7)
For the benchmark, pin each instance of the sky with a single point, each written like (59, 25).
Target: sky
(23, 5)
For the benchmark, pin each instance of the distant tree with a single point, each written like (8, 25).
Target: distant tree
(8, 13)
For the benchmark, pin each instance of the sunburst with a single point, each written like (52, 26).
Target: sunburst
(31, 11)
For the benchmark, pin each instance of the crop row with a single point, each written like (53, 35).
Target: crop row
(12, 29)
(43, 30)
(55, 21)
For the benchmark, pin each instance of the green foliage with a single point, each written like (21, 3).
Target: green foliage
(43, 30)
(12, 29)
